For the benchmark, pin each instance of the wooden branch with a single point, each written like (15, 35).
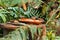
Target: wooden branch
(31, 21)
(8, 26)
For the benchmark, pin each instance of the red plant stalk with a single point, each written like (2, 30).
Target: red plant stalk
(31, 21)
(43, 33)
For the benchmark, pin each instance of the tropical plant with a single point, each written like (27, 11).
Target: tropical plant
(48, 10)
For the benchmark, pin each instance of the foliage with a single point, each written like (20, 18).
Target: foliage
(49, 10)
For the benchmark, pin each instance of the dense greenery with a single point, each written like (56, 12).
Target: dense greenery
(49, 10)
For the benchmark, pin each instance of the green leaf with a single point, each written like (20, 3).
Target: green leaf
(3, 17)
